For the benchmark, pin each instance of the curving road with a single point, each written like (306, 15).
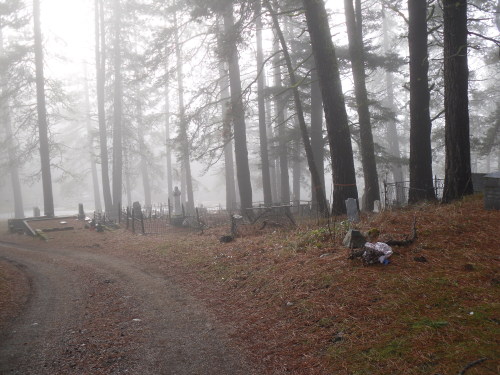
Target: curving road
(90, 313)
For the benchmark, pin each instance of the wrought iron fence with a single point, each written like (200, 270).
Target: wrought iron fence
(396, 193)
(159, 218)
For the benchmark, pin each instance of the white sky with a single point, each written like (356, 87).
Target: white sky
(72, 21)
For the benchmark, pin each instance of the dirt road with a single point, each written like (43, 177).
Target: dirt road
(90, 313)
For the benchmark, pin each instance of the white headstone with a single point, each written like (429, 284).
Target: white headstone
(352, 210)
(376, 206)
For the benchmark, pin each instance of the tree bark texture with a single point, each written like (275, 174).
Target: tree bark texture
(300, 115)
(344, 177)
(117, 112)
(421, 182)
(48, 199)
(296, 167)
(100, 63)
(183, 133)
(168, 141)
(128, 184)
(272, 153)
(238, 113)
(356, 51)
(261, 83)
(227, 138)
(317, 140)
(143, 150)
(90, 140)
(13, 163)
(11, 142)
(279, 108)
(391, 129)
(458, 182)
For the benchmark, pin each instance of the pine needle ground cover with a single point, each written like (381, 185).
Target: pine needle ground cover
(294, 301)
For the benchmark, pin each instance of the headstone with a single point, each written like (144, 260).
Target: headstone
(352, 210)
(354, 239)
(136, 207)
(177, 201)
(478, 182)
(36, 212)
(81, 213)
(376, 206)
(492, 191)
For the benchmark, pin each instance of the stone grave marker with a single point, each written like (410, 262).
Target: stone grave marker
(352, 210)
(376, 206)
(81, 212)
(36, 212)
(177, 201)
(354, 239)
(137, 209)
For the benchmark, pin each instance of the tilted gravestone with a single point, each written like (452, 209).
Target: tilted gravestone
(354, 239)
(351, 205)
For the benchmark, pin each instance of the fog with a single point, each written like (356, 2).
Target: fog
(69, 61)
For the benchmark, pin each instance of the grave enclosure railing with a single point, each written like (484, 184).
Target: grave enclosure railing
(159, 219)
(395, 194)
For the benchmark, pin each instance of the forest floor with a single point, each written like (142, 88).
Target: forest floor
(295, 303)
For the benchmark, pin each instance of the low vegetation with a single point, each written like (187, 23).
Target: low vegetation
(297, 304)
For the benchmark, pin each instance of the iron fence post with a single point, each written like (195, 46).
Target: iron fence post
(385, 193)
(133, 220)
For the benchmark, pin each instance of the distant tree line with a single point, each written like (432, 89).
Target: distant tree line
(260, 89)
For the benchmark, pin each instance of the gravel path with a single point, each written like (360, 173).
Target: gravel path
(90, 313)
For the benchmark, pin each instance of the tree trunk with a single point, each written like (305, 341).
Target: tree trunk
(11, 143)
(391, 129)
(272, 153)
(143, 150)
(183, 183)
(356, 51)
(227, 139)
(13, 164)
(421, 183)
(238, 112)
(117, 113)
(300, 114)
(279, 106)
(48, 200)
(128, 185)
(168, 144)
(90, 140)
(100, 49)
(317, 141)
(458, 182)
(295, 131)
(183, 135)
(296, 170)
(266, 177)
(344, 177)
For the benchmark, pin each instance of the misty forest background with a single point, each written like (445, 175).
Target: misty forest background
(241, 103)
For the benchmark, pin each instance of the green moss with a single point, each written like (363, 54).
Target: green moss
(395, 348)
(428, 323)
(326, 322)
